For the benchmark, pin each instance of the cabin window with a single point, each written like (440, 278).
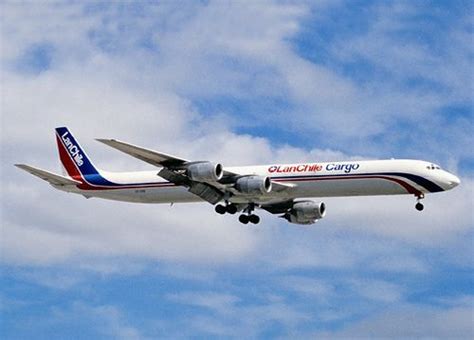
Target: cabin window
(433, 167)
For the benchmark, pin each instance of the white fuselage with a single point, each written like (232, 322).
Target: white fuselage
(353, 178)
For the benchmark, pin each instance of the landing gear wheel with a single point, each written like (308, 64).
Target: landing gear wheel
(244, 219)
(220, 209)
(419, 206)
(231, 209)
(254, 219)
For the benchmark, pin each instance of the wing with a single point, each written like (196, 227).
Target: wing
(49, 177)
(174, 170)
(152, 157)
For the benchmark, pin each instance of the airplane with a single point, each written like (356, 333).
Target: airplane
(281, 189)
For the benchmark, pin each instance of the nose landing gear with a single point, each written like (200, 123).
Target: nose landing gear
(419, 206)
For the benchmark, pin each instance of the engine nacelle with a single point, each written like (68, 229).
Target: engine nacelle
(306, 212)
(254, 185)
(205, 172)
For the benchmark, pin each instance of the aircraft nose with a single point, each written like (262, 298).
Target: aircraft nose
(453, 181)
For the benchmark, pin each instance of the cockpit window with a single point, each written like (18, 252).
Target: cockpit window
(433, 167)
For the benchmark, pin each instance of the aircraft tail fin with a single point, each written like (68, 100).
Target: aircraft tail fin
(72, 156)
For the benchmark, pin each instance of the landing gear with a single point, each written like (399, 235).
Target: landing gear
(220, 209)
(419, 206)
(248, 216)
(245, 219)
(228, 208)
(254, 219)
(231, 209)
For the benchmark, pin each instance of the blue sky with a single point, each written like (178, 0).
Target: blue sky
(239, 84)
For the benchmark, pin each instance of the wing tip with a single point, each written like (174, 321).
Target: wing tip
(105, 140)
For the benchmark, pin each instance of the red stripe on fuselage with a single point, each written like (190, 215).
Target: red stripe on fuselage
(87, 186)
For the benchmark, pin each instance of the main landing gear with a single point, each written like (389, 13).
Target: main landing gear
(245, 218)
(249, 218)
(419, 206)
(228, 208)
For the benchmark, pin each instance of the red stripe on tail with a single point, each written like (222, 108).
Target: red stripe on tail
(67, 161)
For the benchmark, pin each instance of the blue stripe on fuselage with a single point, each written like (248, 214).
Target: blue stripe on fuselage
(421, 181)
(97, 179)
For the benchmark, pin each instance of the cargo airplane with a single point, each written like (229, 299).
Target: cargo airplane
(277, 188)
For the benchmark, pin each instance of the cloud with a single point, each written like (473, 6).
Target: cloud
(213, 301)
(308, 286)
(227, 317)
(413, 321)
(159, 236)
(433, 227)
(103, 320)
(377, 290)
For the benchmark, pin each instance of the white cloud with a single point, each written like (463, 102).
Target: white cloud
(447, 215)
(408, 321)
(220, 303)
(227, 317)
(159, 233)
(315, 288)
(26, 24)
(391, 43)
(103, 320)
(376, 290)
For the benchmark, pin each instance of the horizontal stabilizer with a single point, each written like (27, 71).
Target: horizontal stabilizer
(152, 157)
(53, 179)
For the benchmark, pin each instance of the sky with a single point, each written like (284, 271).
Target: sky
(237, 83)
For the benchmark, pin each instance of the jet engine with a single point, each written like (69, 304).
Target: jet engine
(254, 185)
(305, 212)
(205, 172)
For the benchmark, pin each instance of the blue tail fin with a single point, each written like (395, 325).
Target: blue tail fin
(72, 156)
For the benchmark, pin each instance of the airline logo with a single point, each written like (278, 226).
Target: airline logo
(295, 168)
(346, 167)
(73, 149)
